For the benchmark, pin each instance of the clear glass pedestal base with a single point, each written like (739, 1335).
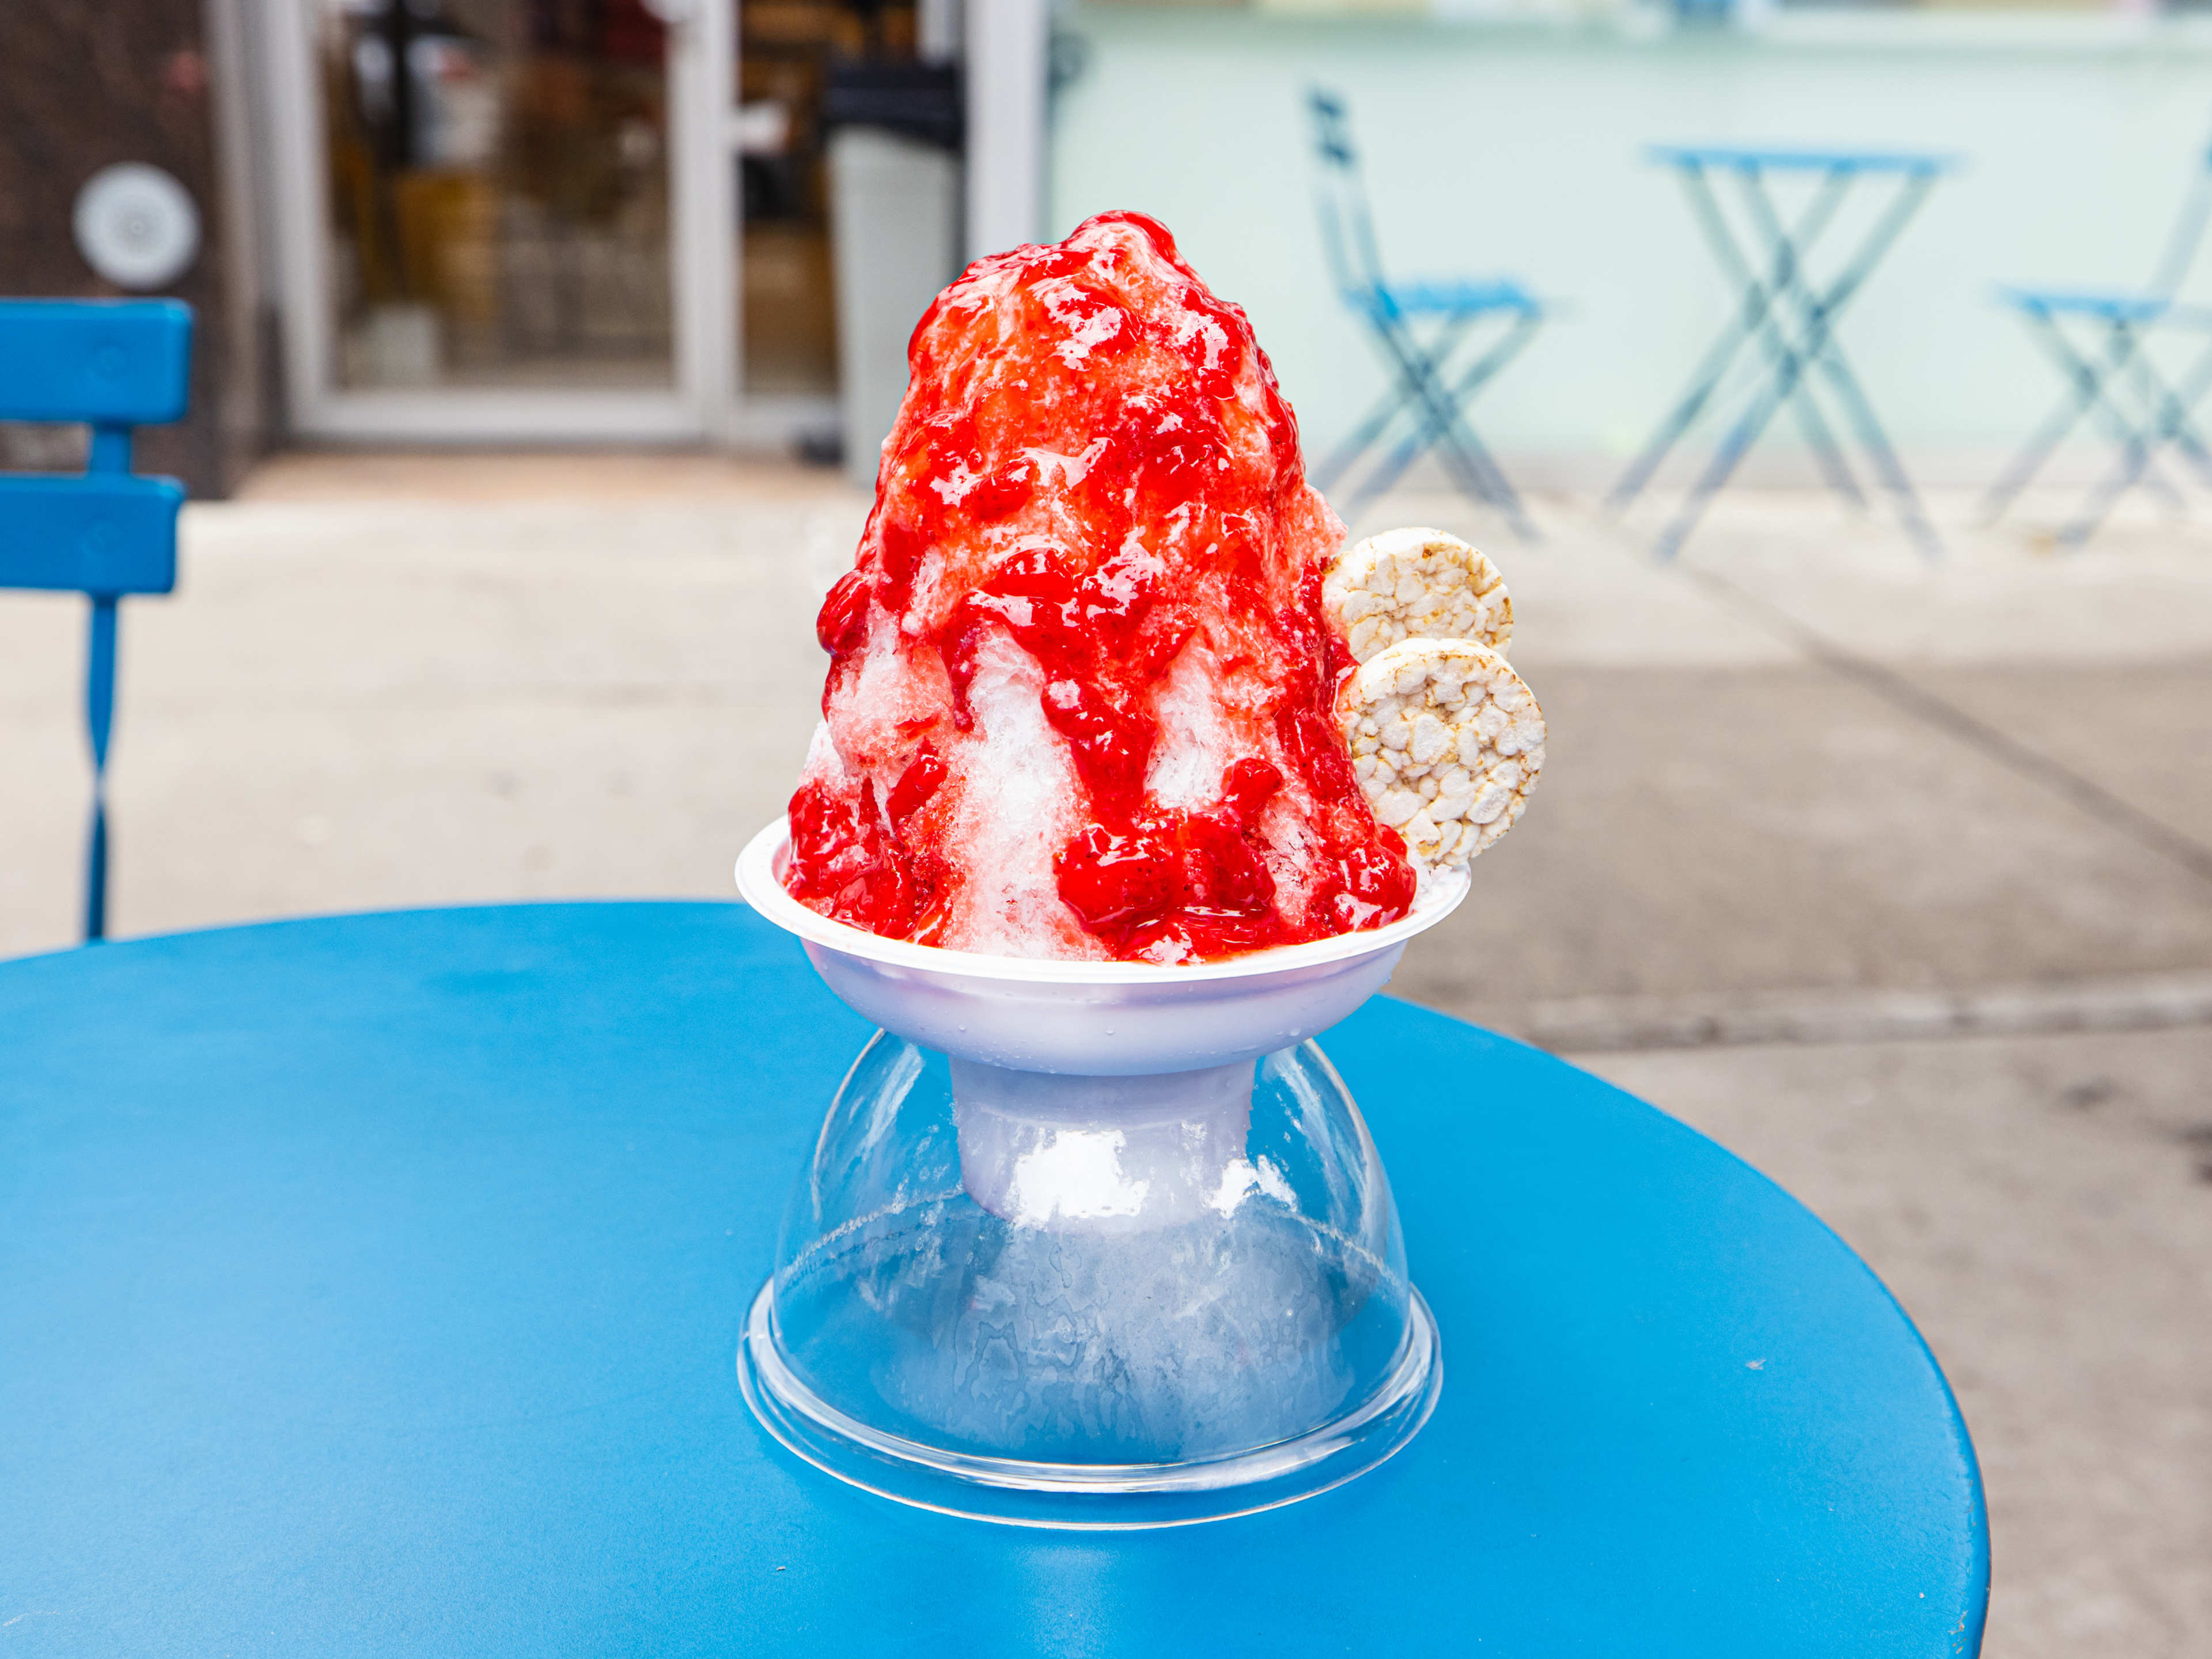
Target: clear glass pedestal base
(1091, 1303)
(1095, 1496)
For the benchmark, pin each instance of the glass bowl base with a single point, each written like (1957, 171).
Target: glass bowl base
(1093, 1496)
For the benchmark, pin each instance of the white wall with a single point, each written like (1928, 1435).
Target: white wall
(1521, 151)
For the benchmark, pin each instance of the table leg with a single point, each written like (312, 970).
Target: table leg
(1751, 315)
(1787, 247)
(1818, 313)
(1740, 437)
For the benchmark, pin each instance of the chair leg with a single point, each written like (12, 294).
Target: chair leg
(1388, 470)
(2171, 423)
(2086, 382)
(1478, 475)
(1348, 451)
(95, 868)
(1462, 392)
(2125, 357)
(100, 719)
(1510, 502)
(2105, 496)
(2090, 383)
(2173, 407)
(1436, 423)
(1400, 398)
(2135, 456)
(1455, 437)
(1462, 452)
(1484, 482)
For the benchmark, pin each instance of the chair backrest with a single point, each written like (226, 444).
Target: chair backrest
(1347, 227)
(109, 362)
(2187, 236)
(113, 365)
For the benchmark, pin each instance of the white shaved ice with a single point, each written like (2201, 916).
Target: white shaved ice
(1196, 746)
(1019, 805)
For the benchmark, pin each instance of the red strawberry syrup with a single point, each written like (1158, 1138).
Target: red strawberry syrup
(1093, 462)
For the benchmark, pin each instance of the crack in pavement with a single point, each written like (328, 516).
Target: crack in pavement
(1909, 698)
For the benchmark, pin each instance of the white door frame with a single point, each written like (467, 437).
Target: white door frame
(702, 404)
(1009, 47)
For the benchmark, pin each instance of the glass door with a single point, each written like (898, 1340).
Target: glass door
(792, 57)
(786, 52)
(787, 324)
(499, 190)
(527, 221)
(498, 219)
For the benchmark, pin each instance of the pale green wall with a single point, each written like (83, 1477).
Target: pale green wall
(1521, 151)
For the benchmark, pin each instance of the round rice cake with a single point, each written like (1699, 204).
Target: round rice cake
(1446, 742)
(1420, 584)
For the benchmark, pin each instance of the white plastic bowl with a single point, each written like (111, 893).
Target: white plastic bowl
(1089, 1019)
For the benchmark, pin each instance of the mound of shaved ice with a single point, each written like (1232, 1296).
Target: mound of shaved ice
(1081, 689)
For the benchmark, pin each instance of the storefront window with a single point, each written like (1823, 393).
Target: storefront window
(499, 192)
(786, 50)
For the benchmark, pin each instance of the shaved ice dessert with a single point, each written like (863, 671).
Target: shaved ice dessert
(1087, 698)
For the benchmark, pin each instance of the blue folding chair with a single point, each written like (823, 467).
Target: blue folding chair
(2101, 376)
(1420, 328)
(112, 365)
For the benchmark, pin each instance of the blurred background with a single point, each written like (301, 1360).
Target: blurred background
(541, 351)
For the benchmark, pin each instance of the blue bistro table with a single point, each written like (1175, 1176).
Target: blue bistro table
(371, 1285)
(1791, 315)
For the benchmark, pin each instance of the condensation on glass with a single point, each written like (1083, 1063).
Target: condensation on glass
(499, 194)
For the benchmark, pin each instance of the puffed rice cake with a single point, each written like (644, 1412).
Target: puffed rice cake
(1446, 741)
(1416, 583)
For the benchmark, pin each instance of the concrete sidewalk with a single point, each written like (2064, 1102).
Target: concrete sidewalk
(1810, 804)
(2042, 1207)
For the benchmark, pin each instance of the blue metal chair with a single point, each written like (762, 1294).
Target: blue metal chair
(1420, 328)
(112, 365)
(2117, 322)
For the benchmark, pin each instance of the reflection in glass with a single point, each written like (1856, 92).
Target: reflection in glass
(787, 318)
(499, 192)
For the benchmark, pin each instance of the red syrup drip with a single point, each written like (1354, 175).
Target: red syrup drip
(1106, 603)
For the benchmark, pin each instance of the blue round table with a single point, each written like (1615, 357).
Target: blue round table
(371, 1285)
